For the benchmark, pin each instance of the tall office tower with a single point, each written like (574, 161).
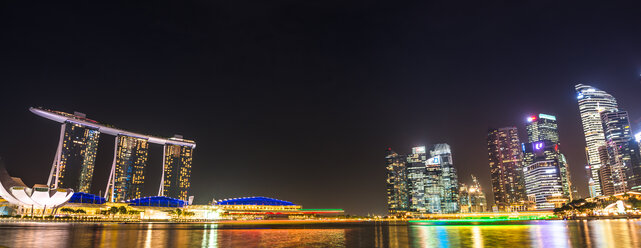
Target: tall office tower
(505, 159)
(441, 155)
(543, 183)
(623, 151)
(177, 171)
(420, 183)
(397, 188)
(76, 156)
(547, 151)
(131, 160)
(542, 127)
(592, 102)
(423, 179)
(539, 156)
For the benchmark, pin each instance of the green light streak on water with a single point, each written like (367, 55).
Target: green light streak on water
(483, 219)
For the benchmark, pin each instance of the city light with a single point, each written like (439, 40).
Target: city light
(538, 145)
(549, 117)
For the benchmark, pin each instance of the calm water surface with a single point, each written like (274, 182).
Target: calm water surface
(596, 233)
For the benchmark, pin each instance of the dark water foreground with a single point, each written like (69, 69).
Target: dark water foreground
(594, 233)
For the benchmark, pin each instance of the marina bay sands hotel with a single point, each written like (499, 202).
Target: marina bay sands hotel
(75, 157)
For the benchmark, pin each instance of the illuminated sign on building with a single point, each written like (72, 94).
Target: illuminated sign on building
(531, 118)
(538, 145)
(549, 117)
(433, 161)
(418, 150)
(637, 137)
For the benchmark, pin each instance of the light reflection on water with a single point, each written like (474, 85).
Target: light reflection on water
(601, 233)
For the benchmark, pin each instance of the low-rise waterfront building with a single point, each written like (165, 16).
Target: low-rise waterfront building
(266, 208)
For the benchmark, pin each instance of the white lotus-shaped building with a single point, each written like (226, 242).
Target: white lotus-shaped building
(16, 192)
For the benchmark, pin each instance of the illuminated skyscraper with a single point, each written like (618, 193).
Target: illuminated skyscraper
(506, 171)
(441, 155)
(543, 137)
(131, 160)
(177, 171)
(623, 151)
(76, 156)
(592, 102)
(423, 179)
(422, 183)
(542, 127)
(543, 183)
(397, 187)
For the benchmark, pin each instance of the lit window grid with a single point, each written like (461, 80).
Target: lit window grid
(591, 103)
(542, 180)
(178, 160)
(80, 144)
(131, 161)
(505, 158)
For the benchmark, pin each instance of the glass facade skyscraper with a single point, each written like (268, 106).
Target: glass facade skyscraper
(544, 170)
(131, 160)
(420, 183)
(441, 155)
(506, 171)
(543, 145)
(423, 180)
(622, 150)
(592, 102)
(77, 157)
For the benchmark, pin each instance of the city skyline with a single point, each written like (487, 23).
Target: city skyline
(545, 131)
(299, 101)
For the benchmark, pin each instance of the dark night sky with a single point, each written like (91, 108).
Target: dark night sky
(298, 100)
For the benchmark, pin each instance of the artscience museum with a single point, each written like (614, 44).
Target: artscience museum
(37, 199)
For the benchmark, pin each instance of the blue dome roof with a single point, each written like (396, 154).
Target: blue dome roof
(157, 201)
(259, 200)
(81, 197)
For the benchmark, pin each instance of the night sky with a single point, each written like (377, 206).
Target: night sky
(298, 100)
